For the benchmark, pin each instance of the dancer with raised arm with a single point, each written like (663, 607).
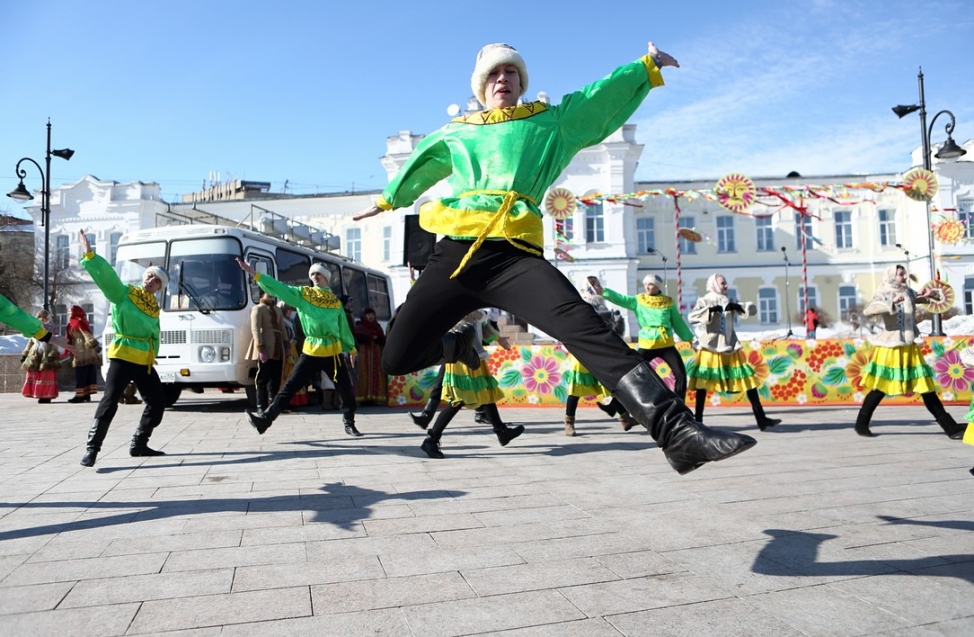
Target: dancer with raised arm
(327, 335)
(132, 353)
(500, 162)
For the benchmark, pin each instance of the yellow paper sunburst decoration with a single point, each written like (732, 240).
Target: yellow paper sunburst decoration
(560, 203)
(950, 231)
(920, 184)
(736, 192)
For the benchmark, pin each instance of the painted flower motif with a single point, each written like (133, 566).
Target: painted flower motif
(755, 360)
(755, 345)
(771, 380)
(801, 399)
(857, 397)
(400, 399)
(951, 373)
(841, 361)
(533, 399)
(853, 372)
(541, 375)
(858, 343)
(948, 342)
(930, 358)
(947, 395)
(714, 399)
(811, 343)
(795, 349)
(663, 370)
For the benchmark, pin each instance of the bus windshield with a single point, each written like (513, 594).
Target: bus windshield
(132, 260)
(204, 276)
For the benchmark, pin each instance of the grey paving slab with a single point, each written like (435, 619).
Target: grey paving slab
(304, 531)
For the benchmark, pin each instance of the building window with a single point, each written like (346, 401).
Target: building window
(812, 299)
(765, 234)
(965, 212)
(725, 234)
(847, 300)
(803, 231)
(567, 228)
(594, 223)
(62, 253)
(768, 305)
(687, 247)
(387, 243)
(113, 246)
(89, 309)
(645, 234)
(887, 228)
(353, 243)
(969, 295)
(689, 301)
(843, 229)
(61, 317)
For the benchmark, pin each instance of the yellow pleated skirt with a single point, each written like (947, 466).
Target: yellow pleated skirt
(898, 370)
(581, 383)
(471, 388)
(727, 373)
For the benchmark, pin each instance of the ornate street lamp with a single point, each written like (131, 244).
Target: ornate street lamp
(20, 193)
(949, 150)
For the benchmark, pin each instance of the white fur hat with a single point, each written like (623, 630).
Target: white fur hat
(161, 274)
(320, 269)
(652, 278)
(488, 59)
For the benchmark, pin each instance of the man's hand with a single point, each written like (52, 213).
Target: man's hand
(504, 342)
(662, 59)
(246, 267)
(83, 240)
(368, 212)
(262, 355)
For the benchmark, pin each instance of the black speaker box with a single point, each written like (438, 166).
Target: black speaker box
(418, 243)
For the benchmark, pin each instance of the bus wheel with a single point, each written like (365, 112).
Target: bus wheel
(171, 392)
(251, 396)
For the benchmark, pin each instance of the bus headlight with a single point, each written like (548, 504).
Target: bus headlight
(207, 354)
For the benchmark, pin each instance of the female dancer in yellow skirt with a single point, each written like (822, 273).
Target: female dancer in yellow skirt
(463, 386)
(897, 366)
(720, 365)
(581, 382)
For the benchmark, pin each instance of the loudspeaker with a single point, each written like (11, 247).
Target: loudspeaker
(418, 243)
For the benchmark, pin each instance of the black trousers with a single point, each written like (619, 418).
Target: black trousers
(671, 356)
(309, 367)
(120, 374)
(503, 276)
(267, 381)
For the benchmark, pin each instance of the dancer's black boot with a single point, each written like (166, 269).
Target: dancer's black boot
(763, 421)
(700, 403)
(425, 417)
(140, 444)
(865, 416)
(349, 422)
(459, 346)
(480, 417)
(504, 433)
(96, 436)
(687, 444)
(951, 427)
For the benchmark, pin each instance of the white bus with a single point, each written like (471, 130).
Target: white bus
(205, 310)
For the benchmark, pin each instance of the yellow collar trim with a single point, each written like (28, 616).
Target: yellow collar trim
(500, 115)
(320, 297)
(144, 300)
(654, 301)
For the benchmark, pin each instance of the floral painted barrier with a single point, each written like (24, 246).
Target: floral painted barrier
(793, 372)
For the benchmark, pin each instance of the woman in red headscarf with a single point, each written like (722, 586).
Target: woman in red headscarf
(370, 386)
(86, 358)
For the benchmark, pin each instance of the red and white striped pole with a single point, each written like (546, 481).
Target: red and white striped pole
(679, 263)
(805, 240)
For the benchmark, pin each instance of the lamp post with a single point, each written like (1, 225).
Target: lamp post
(949, 150)
(20, 193)
(666, 282)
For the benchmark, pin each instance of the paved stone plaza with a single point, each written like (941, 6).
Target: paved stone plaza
(305, 531)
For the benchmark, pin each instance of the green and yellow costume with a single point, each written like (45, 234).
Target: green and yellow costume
(13, 316)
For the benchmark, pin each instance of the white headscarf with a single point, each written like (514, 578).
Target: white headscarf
(890, 281)
(712, 285)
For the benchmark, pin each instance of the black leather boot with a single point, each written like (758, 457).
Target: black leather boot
(687, 444)
(950, 426)
(762, 419)
(504, 433)
(140, 445)
(865, 415)
(459, 346)
(96, 436)
(480, 417)
(425, 417)
(350, 427)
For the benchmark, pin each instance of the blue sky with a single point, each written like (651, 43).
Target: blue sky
(176, 91)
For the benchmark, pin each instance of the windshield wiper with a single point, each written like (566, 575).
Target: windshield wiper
(192, 293)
